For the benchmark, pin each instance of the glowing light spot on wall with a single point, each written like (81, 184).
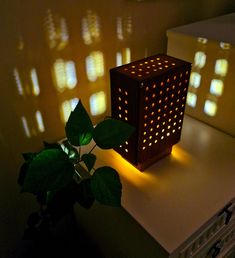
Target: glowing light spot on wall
(217, 87)
(119, 29)
(67, 107)
(126, 56)
(39, 120)
(195, 79)
(60, 74)
(221, 67)
(65, 74)
(18, 81)
(34, 80)
(210, 108)
(56, 31)
(191, 99)
(98, 103)
(64, 35)
(225, 45)
(25, 127)
(95, 65)
(124, 27)
(200, 59)
(71, 74)
(202, 40)
(118, 59)
(90, 28)
(66, 110)
(73, 103)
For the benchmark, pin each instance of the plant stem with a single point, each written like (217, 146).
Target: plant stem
(92, 148)
(79, 176)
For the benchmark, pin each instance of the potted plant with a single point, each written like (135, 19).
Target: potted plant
(60, 176)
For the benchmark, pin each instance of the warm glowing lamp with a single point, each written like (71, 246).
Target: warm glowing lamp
(150, 94)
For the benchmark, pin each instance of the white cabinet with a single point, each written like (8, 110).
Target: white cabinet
(175, 205)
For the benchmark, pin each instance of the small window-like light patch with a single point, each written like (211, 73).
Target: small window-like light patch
(126, 56)
(34, 80)
(63, 34)
(210, 108)
(195, 79)
(56, 30)
(119, 28)
(221, 67)
(40, 123)
(71, 74)
(73, 103)
(202, 40)
(225, 45)
(95, 65)
(200, 59)
(118, 59)
(191, 99)
(18, 81)
(66, 110)
(217, 87)
(60, 74)
(25, 127)
(90, 28)
(98, 103)
(50, 29)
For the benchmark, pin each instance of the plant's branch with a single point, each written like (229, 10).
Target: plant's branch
(92, 171)
(79, 152)
(79, 176)
(92, 148)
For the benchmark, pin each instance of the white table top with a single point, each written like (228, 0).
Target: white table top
(220, 29)
(178, 194)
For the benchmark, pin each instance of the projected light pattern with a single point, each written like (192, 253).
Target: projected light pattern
(95, 65)
(33, 124)
(65, 74)
(97, 103)
(25, 127)
(195, 78)
(150, 94)
(123, 57)
(66, 107)
(34, 81)
(124, 27)
(39, 120)
(56, 31)
(217, 83)
(18, 82)
(91, 28)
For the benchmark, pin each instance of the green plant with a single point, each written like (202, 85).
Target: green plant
(56, 175)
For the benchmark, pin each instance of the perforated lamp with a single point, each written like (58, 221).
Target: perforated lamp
(150, 94)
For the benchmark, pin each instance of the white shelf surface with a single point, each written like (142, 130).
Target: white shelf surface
(178, 194)
(219, 29)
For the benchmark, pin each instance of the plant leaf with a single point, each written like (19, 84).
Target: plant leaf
(29, 156)
(106, 186)
(84, 195)
(79, 127)
(22, 173)
(49, 170)
(111, 133)
(89, 160)
(70, 151)
(48, 145)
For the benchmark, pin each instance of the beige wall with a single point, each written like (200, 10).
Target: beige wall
(25, 45)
